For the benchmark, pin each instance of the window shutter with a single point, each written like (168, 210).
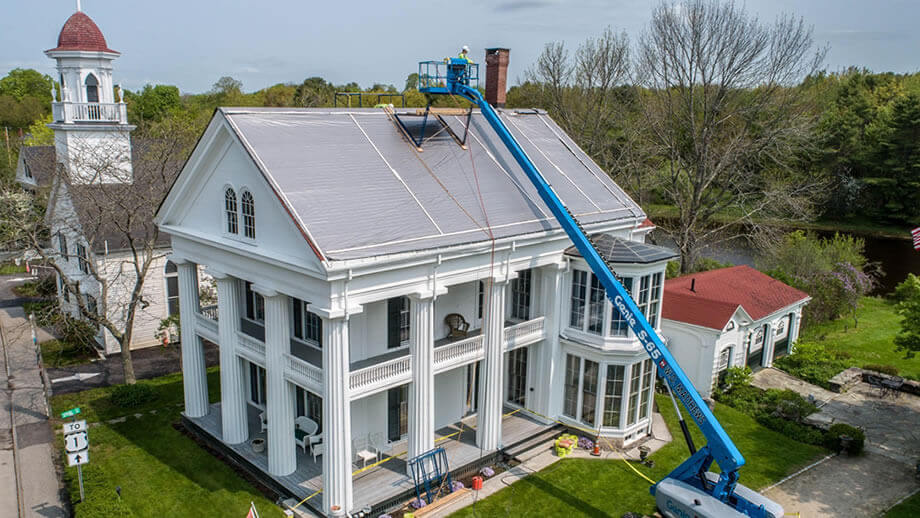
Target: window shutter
(394, 306)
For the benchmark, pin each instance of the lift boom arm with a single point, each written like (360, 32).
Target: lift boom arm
(719, 447)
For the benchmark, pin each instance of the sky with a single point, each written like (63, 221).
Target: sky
(192, 43)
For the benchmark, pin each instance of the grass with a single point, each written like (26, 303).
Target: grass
(27, 289)
(10, 268)
(608, 488)
(57, 353)
(872, 342)
(161, 472)
(909, 508)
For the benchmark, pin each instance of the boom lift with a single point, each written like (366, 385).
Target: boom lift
(691, 490)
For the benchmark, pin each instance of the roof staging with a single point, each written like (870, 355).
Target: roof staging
(80, 32)
(359, 189)
(622, 251)
(717, 294)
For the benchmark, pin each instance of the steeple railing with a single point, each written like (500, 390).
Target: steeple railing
(69, 112)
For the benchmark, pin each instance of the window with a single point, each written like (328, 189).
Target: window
(646, 388)
(92, 308)
(62, 245)
(618, 325)
(579, 293)
(255, 304)
(730, 326)
(308, 326)
(26, 170)
(249, 215)
(482, 297)
(654, 300)
(397, 322)
(781, 327)
(256, 384)
(397, 412)
(230, 210)
(759, 338)
(589, 392)
(92, 89)
(724, 359)
(596, 307)
(613, 395)
(520, 296)
(172, 288)
(570, 396)
(63, 287)
(517, 376)
(634, 394)
(82, 258)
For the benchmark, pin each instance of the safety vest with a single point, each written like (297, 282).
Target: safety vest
(464, 56)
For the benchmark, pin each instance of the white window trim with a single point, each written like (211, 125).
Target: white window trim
(242, 227)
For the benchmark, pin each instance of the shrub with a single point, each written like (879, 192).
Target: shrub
(132, 396)
(46, 287)
(836, 431)
(789, 405)
(891, 370)
(735, 377)
(796, 431)
(783, 411)
(814, 363)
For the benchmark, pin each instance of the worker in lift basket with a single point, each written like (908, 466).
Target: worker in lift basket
(464, 54)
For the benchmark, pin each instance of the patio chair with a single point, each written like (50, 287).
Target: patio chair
(364, 451)
(458, 325)
(317, 450)
(263, 420)
(304, 428)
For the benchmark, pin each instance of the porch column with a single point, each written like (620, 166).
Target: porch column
(421, 390)
(795, 320)
(234, 426)
(194, 375)
(337, 484)
(489, 431)
(282, 450)
(768, 336)
(548, 378)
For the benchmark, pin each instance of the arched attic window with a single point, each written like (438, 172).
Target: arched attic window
(249, 215)
(92, 89)
(230, 210)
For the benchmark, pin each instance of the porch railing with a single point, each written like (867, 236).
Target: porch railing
(251, 348)
(209, 311)
(207, 327)
(304, 373)
(524, 333)
(89, 112)
(458, 353)
(367, 380)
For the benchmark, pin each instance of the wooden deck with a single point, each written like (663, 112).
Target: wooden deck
(379, 484)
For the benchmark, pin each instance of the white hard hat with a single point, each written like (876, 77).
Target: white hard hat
(466, 48)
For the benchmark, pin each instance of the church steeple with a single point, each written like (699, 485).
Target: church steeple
(89, 114)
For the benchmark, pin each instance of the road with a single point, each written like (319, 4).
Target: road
(29, 482)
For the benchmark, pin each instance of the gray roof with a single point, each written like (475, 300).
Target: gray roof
(41, 162)
(360, 189)
(623, 251)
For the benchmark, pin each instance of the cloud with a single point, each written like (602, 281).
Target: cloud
(520, 5)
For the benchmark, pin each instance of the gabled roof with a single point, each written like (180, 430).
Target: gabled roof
(717, 294)
(40, 160)
(356, 186)
(623, 251)
(80, 32)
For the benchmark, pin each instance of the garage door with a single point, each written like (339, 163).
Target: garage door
(755, 360)
(781, 348)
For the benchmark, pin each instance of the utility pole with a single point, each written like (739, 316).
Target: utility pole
(9, 158)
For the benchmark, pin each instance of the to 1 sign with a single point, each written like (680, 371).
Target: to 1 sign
(76, 442)
(77, 459)
(74, 427)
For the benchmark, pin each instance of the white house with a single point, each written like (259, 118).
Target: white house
(730, 317)
(89, 170)
(392, 295)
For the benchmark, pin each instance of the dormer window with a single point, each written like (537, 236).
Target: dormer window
(92, 89)
(249, 215)
(230, 211)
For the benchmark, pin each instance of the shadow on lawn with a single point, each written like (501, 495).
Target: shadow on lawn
(563, 496)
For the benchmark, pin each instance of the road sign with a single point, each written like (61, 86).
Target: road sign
(74, 427)
(78, 459)
(76, 442)
(70, 413)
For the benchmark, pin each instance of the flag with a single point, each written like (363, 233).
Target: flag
(252, 511)
(915, 233)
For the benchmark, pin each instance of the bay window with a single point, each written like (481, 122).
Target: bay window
(613, 395)
(520, 296)
(634, 382)
(589, 392)
(570, 395)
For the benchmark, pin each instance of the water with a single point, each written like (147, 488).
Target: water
(896, 257)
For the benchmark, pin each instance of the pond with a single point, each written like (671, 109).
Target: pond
(896, 257)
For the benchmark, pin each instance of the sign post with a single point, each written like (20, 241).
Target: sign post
(76, 444)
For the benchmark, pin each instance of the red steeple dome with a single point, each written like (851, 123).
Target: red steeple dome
(81, 33)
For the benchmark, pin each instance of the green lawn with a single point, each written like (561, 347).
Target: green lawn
(10, 268)
(870, 342)
(56, 354)
(608, 488)
(909, 508)
(161, 472)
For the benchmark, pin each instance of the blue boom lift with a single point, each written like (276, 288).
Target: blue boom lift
(691, 490)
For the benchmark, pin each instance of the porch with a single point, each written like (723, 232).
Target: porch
(379, 487)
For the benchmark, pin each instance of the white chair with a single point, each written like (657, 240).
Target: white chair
(364, 451)
(304, 429)
(263, 419)
(317, 450)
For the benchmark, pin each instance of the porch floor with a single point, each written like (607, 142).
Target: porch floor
(382, 482)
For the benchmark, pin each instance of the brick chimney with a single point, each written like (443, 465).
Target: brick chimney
(496, 76)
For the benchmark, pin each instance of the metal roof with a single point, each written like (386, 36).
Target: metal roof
(622, 251)
(360, 189)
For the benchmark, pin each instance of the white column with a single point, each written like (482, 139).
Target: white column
(234, 425)
(548, 380)
(491, 384)
(768, 336)
(337, 484)
(282, 450)
(194, 375)
(421, 390)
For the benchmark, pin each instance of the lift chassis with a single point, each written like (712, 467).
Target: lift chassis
(691, 490)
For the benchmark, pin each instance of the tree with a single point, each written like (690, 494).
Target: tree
(227, 91)
(908, 296)
(896, 161)
(314, 91)
(152, 103)
(279, 95)
(411, 82)
(722, 113)
(115, 217)
(21, 83)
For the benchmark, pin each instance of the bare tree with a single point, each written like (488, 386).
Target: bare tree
(721, 107)
(105, 215)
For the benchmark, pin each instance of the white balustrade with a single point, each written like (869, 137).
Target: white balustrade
(89, 112)
(364, 381)
(207, 327)
(524, 333)
(304, 373)
(458, 353)
(251, 348)
(209, 311)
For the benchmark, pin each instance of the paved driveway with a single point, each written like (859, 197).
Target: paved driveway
(854, 486)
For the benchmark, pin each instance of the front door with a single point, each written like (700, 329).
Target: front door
(471, 403)
(397, 412)
(517, 376)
